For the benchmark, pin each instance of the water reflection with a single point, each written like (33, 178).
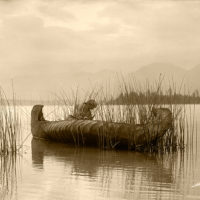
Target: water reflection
(126, 174)
(59, 171)
(8, 176)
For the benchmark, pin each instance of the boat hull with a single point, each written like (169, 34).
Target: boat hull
(100, 133)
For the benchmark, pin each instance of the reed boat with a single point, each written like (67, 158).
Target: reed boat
(101, 133)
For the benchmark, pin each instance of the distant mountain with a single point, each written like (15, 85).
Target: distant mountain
(41, 86)
(173, 75)
(193, 78)
(153, 71)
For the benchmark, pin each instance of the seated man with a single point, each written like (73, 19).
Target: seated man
(84, 111)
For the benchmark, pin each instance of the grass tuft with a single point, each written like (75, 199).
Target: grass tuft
(10, 125)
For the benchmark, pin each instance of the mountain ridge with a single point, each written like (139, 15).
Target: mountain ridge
(40, 85)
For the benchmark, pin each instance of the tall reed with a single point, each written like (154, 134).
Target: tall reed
(10, 124)
(134, 104)
(66, 104)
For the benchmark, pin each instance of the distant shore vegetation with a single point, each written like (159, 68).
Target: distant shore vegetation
(161, 91)
(132, 97)
(156, 98)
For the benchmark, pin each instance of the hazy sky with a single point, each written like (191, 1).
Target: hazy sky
(42, 40)
(47, 36)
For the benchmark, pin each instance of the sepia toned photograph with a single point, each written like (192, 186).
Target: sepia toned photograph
(99, 99)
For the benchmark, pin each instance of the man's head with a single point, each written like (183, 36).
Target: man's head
(91, 103)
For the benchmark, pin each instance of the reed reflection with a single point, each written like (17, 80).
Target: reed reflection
(8, 177)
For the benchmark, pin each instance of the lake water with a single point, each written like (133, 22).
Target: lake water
(47, 170)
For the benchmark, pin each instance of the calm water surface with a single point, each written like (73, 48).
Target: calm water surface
(46, 170)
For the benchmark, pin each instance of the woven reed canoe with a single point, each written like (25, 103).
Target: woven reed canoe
(100, 133)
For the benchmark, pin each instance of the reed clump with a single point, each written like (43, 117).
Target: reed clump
(134, 104)
(10, 125)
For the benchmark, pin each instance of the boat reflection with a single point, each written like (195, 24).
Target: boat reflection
(94, 162)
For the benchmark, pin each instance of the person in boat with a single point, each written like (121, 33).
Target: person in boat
(84, 111)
